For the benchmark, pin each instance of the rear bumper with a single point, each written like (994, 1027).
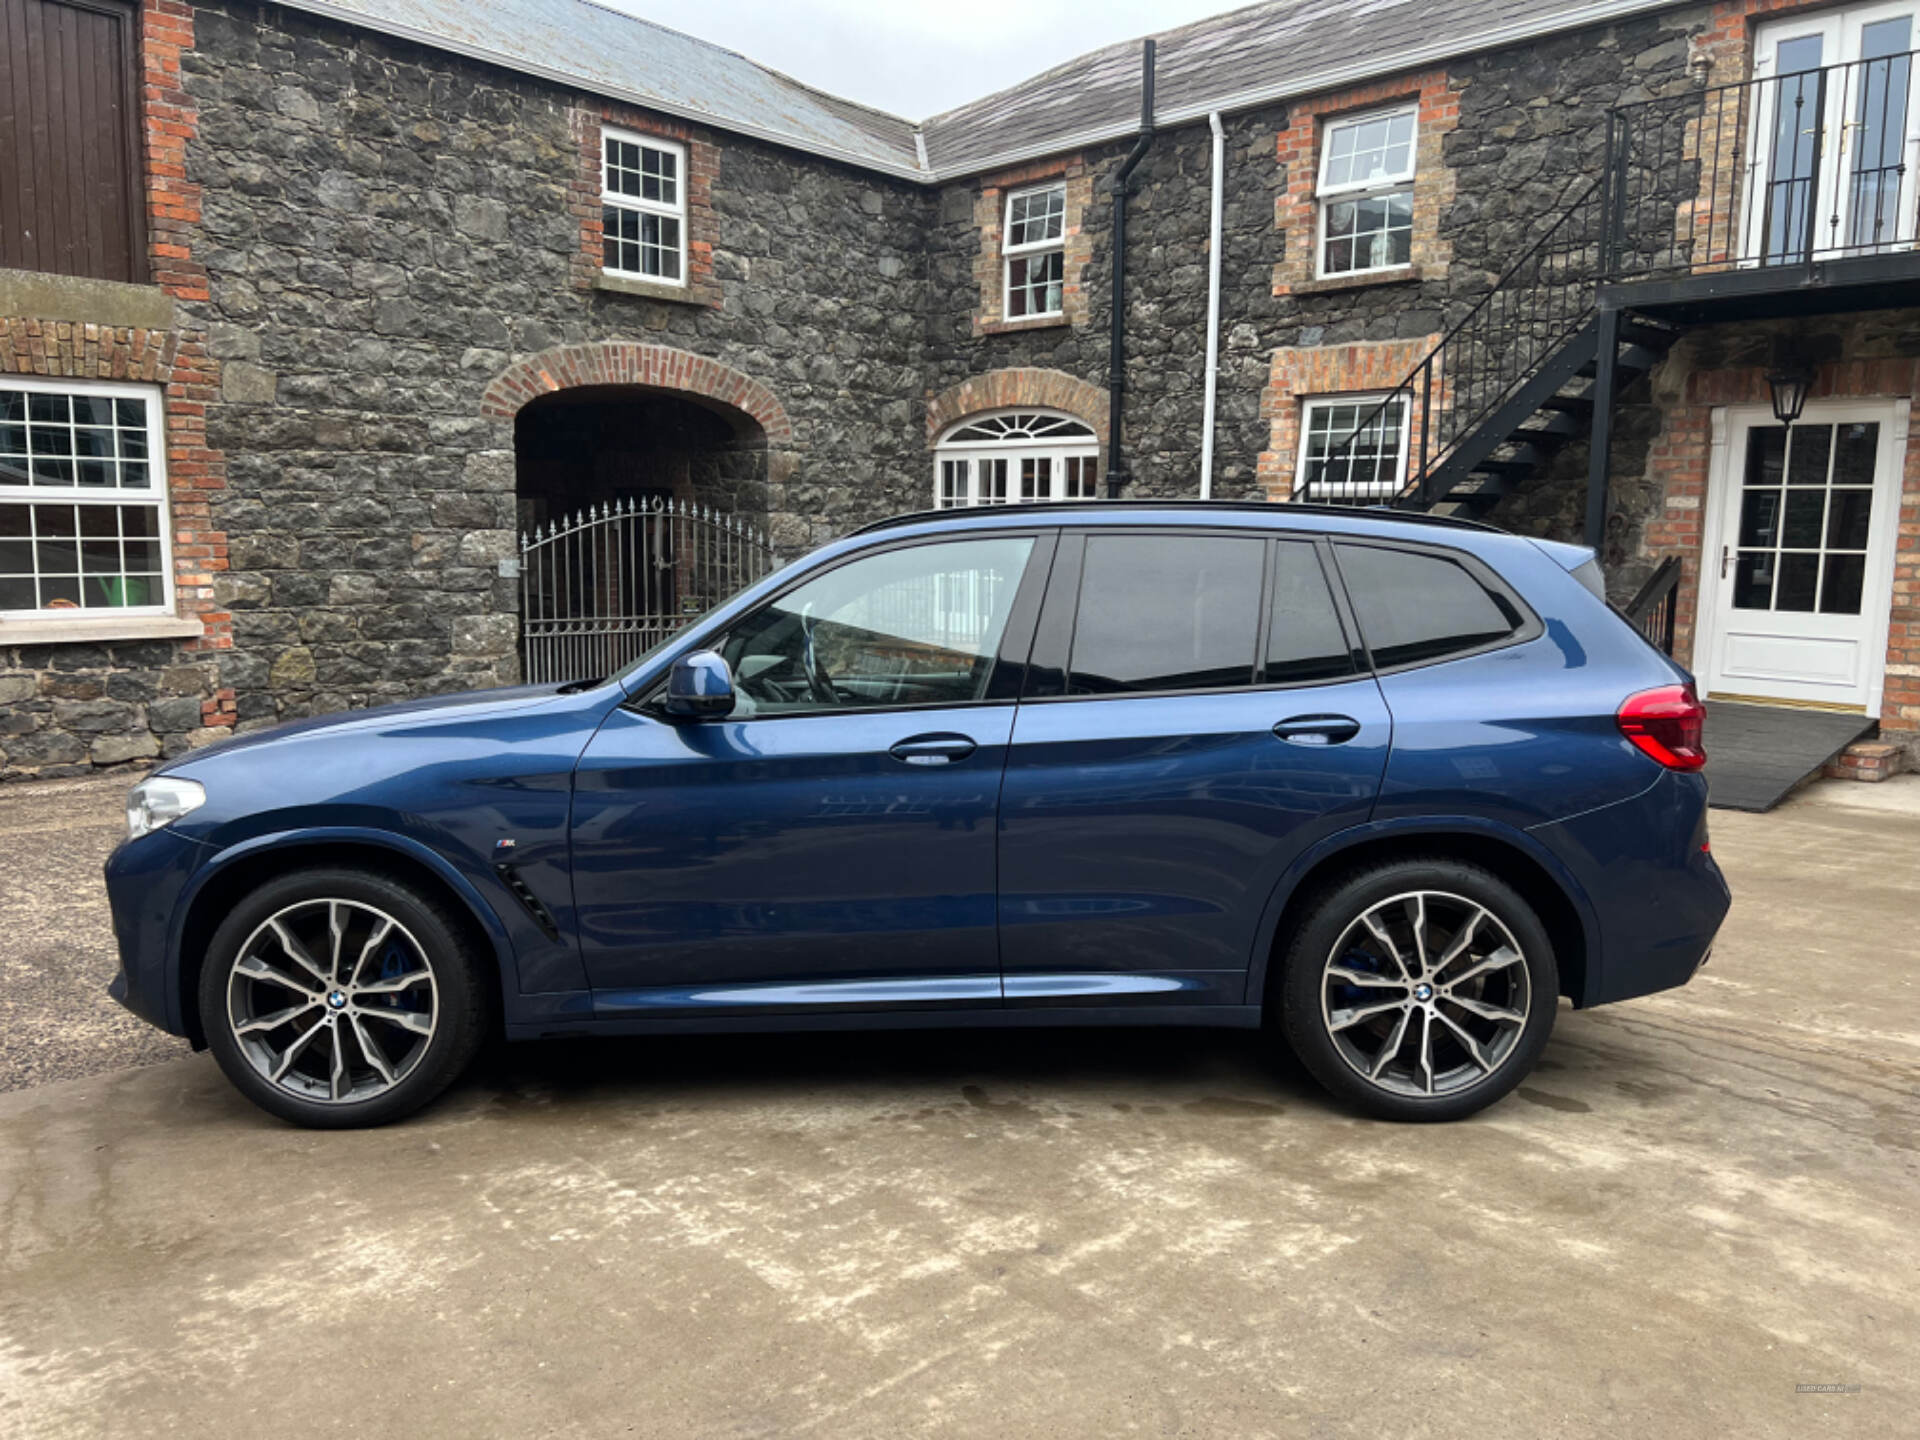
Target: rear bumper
(1657, 895)
(145, 878)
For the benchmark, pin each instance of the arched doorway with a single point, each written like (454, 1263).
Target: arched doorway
(641, 488)
(1016, 457)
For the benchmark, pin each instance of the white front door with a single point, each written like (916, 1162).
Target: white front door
(1797, 569)
(1836, 104)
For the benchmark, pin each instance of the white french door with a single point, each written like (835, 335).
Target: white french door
(1834, 138)
(1020, 476)
(1797, 566)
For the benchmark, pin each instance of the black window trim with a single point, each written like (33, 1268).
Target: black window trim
(1060, 615)
(1529, 629)
(1022, 617)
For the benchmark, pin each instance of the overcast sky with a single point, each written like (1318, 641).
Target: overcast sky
(915, 57)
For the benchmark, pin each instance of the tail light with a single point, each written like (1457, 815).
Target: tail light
(1666, 724)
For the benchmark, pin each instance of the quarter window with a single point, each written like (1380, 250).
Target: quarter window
(1366, 193)
(915, 626)
(1352, 447)
(1035, 250)
(83, 508)
(1016, 457)
(1161, 612)
(643, 207)
(1416, 607)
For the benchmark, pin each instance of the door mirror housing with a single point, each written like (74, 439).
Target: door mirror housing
(699, 687)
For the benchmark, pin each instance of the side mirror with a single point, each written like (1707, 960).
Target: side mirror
(699, 687)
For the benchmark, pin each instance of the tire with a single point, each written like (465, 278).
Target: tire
(1362, 1031)
(372, 986)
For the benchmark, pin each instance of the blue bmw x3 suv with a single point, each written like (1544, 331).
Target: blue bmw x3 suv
(1390, 786)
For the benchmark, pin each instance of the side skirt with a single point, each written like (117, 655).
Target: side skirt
(1232, 1017)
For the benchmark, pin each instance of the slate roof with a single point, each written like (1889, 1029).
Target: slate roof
(1246, 57)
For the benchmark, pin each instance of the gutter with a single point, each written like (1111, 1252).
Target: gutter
(1213, 304)
(1121, 186)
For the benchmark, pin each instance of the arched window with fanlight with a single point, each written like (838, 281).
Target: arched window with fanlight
(1015, 457)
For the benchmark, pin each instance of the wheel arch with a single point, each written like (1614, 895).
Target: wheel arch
(240, 869)
(1513, 855)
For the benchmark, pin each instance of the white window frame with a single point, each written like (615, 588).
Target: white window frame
(615, 200)
(154, 496)
(1057, 452)
(1335, 492)
(1327, 194)
(1009, 252)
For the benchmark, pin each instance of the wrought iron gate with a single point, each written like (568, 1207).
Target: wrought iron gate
(604, 586)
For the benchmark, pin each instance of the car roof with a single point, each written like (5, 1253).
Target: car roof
(1345, 519)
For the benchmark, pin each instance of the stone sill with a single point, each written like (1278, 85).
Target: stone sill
(1015, 327)
(1399, 275)
(85, 301)
(90, 631)
(651, 290)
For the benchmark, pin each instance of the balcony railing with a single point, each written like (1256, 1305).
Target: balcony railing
(1794, 169)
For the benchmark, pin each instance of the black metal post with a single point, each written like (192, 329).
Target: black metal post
(1117, 348)
(1600, 442)
(1609, 256)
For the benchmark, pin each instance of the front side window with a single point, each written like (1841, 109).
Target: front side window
(1414, 607)
(1036, 253)
(83, 522)
(643, 207)
(1166, 612)
(1016, 457)
(1352, 447)
(914, 626)
(1366, 193)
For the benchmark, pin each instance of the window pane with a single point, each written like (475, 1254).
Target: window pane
(1845, 579)
(1370, 233)
(1353, 448)
(918, 626)
(1037, 216)
(1166, 613)
(1799, 580)
(65, 556)
(1849, 514)
(953, 484)
(1806, 517)
(1415, 607)
(1808, 451)
(1760, 517)
(1853, 462)
(1753, 580)
(1304, 640)
(1034, 284)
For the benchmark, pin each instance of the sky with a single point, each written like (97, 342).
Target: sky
(917, 57)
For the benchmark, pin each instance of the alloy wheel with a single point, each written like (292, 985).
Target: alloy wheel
(1425, 994)
(332, 1000)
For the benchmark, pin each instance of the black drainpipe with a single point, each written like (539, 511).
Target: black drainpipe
(1117, 355)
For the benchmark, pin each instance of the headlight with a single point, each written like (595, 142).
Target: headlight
(161, 800)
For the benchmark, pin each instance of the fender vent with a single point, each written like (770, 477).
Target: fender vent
(510, 877)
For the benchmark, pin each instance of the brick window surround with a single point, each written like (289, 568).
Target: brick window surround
(1024, 388)
(1296, 212)
(1301, 373)
(1678, 464)
(989, 267)
(178, 360)
(583, 199)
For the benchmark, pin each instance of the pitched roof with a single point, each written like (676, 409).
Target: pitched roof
(1247, 57)
(621, 56)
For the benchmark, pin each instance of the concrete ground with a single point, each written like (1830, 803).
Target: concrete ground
(1700, 1203)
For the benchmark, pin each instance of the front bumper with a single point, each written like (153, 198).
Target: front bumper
(145, 878)
(1657, 895)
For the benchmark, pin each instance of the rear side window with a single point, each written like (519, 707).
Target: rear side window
(1415, 607)
(1304, 638)
(1166, 612)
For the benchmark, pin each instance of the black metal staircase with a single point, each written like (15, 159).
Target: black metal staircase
(1778, 195)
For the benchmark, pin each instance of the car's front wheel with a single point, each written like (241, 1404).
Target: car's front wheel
(1420, 989)
(336, 998)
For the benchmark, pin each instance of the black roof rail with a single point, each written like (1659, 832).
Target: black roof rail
(1200, 507)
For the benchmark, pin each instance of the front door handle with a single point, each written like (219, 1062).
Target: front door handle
(1318, 729)
(933, 749)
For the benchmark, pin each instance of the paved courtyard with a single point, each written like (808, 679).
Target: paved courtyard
(1700, 1202)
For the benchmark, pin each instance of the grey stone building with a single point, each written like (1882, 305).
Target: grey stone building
(338, 301)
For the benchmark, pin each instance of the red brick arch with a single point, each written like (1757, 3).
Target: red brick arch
(624, 362)
(1025, 388)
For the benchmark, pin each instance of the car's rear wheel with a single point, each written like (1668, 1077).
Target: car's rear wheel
(337, 998)
(1419, 989)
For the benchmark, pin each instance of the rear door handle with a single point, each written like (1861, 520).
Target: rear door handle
(1318, 729)
(933, 749)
